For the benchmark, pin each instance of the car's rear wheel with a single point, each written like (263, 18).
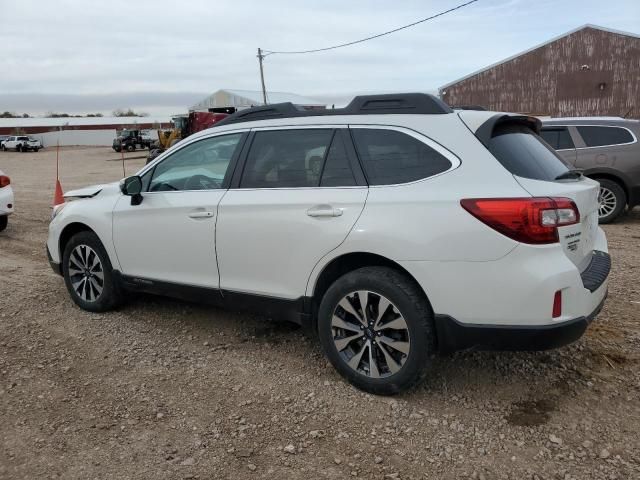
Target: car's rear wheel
(4, 220)
(88, 274)
(130, 148)
(612, 200)
(376, 327)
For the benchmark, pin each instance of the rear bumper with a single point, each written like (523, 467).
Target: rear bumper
(453, 335)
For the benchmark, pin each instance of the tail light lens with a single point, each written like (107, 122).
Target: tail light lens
(528, 220)
(4, 181)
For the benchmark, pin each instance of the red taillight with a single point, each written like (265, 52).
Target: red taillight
(557, 304)
(528, 220)
(4, 181)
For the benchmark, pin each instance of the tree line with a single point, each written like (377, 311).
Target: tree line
(116, 113)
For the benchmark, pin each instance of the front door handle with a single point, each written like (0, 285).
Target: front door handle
(324, 211)
(201, 214)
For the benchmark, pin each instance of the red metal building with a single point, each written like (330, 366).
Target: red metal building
(585, 72)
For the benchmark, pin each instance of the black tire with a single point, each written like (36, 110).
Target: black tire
(18, 148)
(111, 295)
(4, 220)
(410, 301)
(131, 148)
(36, 149)
(611, 189)
(4, 149)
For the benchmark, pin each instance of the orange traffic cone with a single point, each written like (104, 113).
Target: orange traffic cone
(58, 196)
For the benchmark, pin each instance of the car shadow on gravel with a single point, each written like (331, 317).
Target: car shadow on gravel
(206, 319)
(508, 376)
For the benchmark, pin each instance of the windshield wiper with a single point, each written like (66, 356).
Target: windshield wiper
(573, 173)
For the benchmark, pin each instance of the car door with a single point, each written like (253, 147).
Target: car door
(603, 145)
(299, 194)
(170, 235)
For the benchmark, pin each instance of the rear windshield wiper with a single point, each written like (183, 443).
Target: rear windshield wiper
(573, 173)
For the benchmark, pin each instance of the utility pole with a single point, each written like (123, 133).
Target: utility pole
(264, 90)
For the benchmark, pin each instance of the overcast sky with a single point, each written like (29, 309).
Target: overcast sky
(162, 56)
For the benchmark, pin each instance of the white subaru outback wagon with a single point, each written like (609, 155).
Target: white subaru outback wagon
(393, 228)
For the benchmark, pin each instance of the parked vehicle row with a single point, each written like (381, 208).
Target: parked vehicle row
(392, 228)
(20, 143)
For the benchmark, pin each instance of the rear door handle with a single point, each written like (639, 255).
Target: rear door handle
(201, 214)
(324, 211)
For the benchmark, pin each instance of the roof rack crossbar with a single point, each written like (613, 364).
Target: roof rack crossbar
(402, 103)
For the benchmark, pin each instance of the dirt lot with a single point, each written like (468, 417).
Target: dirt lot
(165, 389)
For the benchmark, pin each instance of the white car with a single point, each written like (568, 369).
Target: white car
(6, 200)
(393, 228)
(21, 143)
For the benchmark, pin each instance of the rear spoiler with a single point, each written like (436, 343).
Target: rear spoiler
(485, 131)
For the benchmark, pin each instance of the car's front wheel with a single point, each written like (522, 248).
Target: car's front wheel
(88, 274)
(376, 327)
(4, 220)
(612, 200)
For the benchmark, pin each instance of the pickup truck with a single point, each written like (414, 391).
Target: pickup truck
(21, 144)
(129, 140)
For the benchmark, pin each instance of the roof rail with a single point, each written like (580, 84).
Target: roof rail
(399, 103)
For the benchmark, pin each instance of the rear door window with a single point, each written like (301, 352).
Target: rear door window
(558, 137)
(286, 158)
(600, 136)
(391, 157)
(522, 152)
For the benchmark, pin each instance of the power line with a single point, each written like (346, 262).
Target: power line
(271, 52)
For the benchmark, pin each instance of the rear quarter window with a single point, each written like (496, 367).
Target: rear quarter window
(601, 136)
(521, 151)
(391, 157)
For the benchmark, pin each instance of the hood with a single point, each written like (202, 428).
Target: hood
(88, 192)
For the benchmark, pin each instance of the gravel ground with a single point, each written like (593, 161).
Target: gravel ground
(166, 389)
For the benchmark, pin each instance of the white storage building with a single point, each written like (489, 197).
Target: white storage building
(241, 99)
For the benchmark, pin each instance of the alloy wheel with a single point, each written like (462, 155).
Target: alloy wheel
(370, 334)
(607, 201)
(86, 273)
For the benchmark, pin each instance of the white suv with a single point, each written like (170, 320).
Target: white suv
(394, 228)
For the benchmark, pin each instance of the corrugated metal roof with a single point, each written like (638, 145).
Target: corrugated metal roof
(247, 98)
(77, 121)
(588, 25)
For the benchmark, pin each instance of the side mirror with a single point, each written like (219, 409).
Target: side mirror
(132, 186)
